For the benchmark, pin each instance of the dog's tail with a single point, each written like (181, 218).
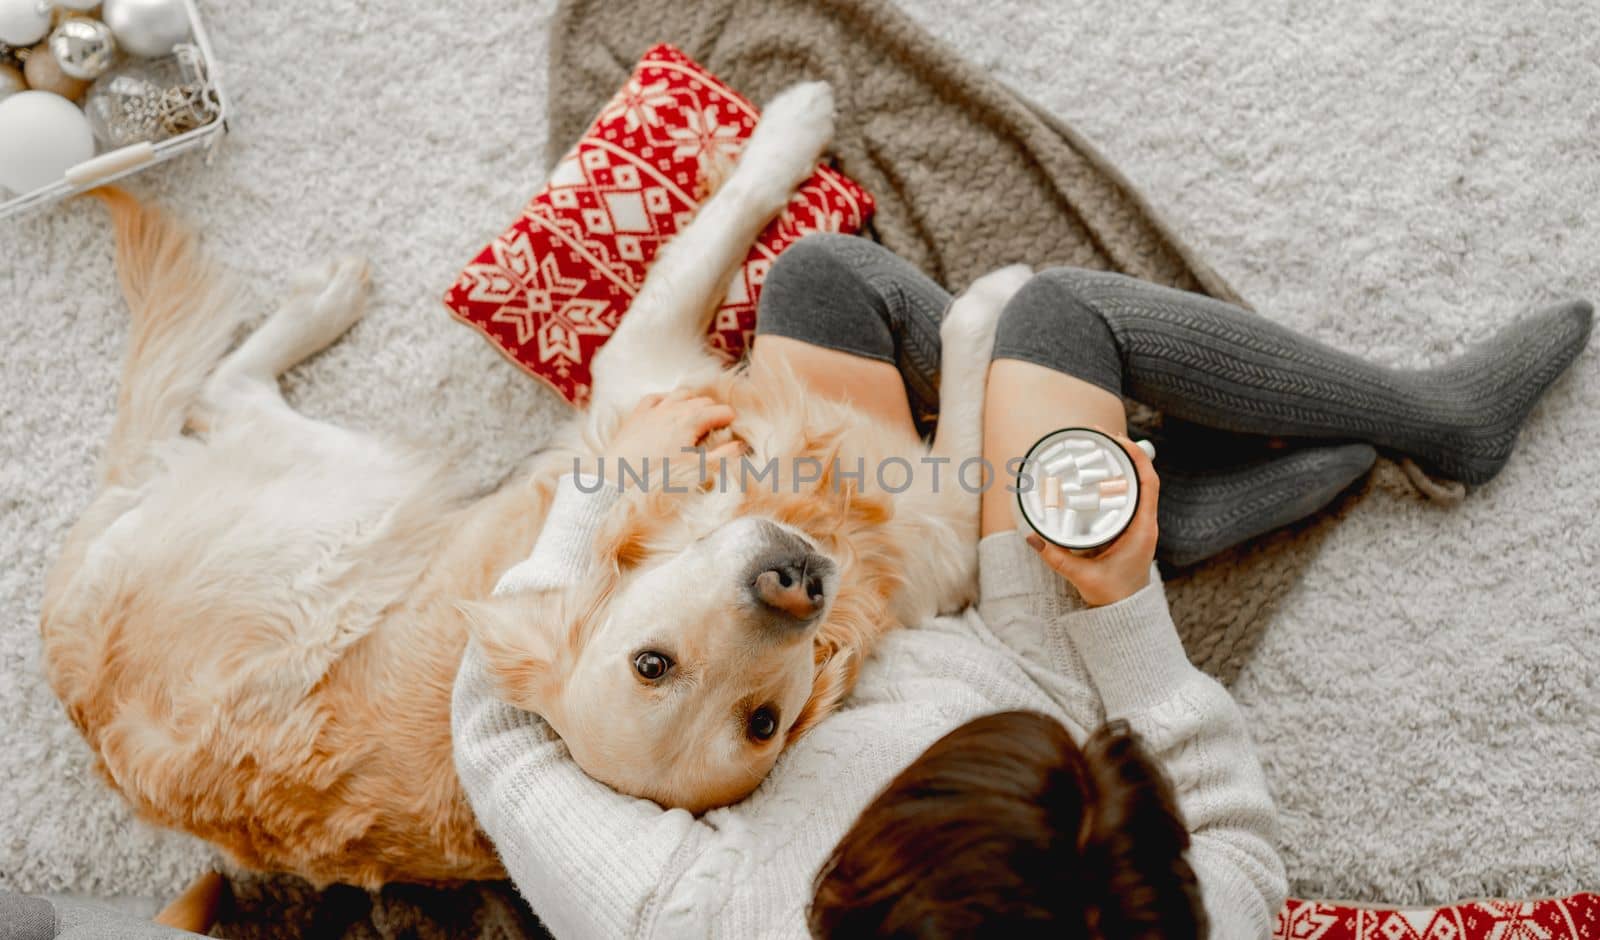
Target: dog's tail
(185, 313)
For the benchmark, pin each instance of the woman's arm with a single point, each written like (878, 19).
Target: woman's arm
(1186, 721)
(1193, 728)
(588, 859)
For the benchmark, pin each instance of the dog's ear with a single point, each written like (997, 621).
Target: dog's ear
(842, 641)
(834, 679)
(521, 639)
(860, 615)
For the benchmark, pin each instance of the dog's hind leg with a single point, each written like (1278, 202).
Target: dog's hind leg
(325, 301)
(661, 343)
(966, 339)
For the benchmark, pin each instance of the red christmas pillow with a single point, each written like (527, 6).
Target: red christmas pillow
(1570, 918)
(550, 290)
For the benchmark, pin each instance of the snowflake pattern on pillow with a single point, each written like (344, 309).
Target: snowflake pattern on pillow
(551, 289)
(1571, 918)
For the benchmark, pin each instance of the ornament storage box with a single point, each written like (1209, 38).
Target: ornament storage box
(112, 164)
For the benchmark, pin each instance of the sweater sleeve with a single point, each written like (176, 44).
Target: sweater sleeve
(588, 859)
(1195, 730)
(1187, 722)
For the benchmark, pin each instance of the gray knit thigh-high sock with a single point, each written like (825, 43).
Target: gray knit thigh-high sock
(1204, 511)
(1220, 366)
(852, 295)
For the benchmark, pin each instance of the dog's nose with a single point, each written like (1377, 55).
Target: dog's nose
(794, 587)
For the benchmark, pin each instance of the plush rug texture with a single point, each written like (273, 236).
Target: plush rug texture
(1395, 180)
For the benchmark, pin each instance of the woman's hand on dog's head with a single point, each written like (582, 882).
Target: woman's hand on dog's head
(1121, 569)
(664, 426)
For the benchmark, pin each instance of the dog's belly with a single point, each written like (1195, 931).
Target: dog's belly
(260, 649)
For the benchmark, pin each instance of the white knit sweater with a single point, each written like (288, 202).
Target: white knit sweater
(595, 863)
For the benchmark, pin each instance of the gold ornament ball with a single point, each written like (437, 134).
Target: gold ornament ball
(44, 73)
(11, 80)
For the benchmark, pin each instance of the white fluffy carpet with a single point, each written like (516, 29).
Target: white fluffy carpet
(1397, 182)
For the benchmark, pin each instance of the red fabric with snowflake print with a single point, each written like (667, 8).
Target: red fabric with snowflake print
(551, 289)
(1570, 918)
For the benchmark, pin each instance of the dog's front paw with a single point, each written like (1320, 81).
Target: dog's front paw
(975, 315)
(794, 129)
(804, 110)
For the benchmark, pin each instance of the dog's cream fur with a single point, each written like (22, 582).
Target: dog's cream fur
(257, 622)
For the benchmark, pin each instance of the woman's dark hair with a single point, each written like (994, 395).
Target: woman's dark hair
(1005, 827)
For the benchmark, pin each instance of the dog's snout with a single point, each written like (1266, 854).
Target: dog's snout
(793, 587)
(788, 580)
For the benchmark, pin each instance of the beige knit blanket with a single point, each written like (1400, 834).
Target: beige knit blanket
(968, 177)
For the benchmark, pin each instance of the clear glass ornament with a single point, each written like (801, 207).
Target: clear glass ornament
(151, 99)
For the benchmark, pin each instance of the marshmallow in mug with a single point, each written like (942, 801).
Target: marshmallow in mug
(1079, 488)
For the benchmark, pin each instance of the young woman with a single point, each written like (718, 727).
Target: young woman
(1099, 650)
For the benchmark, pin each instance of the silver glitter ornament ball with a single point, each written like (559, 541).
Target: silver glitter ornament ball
(83, 47)
(147, 27)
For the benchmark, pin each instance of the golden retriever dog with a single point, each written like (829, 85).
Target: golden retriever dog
(257, 622)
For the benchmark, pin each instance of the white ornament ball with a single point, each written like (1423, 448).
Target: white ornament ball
(46, 135)
(23, 22)
(146, 27)
(79, 5)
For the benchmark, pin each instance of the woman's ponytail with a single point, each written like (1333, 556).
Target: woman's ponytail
(1005, 827)
(1133, 839)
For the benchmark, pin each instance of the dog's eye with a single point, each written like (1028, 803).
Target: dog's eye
(651, 665)
(763, 724)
